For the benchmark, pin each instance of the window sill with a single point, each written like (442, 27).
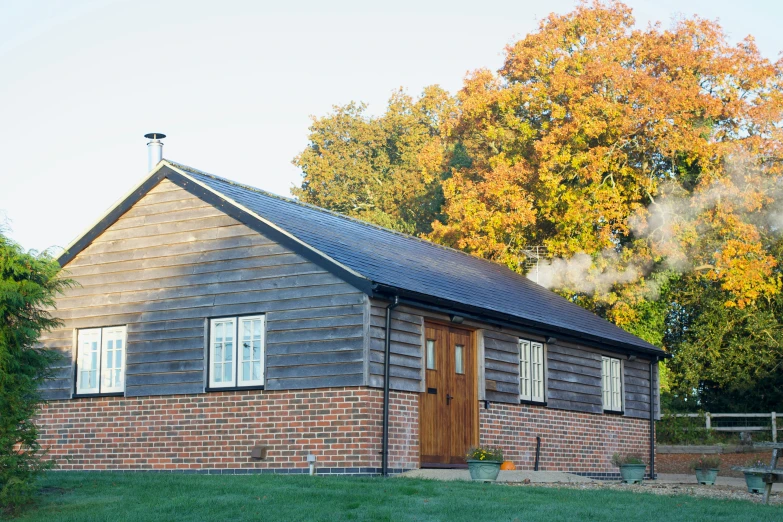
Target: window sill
(235, 388)
(533, 403)
(613, 412)
(94, 395)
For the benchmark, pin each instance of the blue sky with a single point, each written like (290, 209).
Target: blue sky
(233, 84)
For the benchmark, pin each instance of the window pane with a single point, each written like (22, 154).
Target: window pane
(430, 354)
(256, 371)
(458, 363)
(524, 370)
(227, 371)
(245, 371)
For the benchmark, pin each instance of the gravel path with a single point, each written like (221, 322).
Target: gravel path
(694, 490)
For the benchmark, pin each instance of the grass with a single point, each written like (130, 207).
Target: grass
(146, 496)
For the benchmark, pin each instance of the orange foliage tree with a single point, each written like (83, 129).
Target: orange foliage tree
(585, 126)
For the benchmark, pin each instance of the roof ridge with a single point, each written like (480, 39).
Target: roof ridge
(339, 215)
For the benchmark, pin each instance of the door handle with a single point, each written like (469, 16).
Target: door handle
(448, 398)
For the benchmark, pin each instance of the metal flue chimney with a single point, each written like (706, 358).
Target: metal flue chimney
(154, 149)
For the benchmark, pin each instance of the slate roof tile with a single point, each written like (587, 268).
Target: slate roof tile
(413, 264)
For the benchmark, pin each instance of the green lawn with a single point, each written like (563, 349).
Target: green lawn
(147, 496)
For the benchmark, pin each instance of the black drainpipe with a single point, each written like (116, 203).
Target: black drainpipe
(386, 366)
(652, 419)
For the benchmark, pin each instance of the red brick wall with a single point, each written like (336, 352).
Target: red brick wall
(570, 441)
(680, 463)
(341, 426)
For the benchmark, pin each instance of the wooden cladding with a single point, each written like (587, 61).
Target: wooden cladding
(173, 262)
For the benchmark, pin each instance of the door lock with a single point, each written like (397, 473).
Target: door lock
(448, 398)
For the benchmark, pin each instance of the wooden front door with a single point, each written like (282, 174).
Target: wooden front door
(448, 408)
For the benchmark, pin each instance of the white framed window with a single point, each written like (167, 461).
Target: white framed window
(532, 371)
(100, 360)
(236, 352)
(611, 384)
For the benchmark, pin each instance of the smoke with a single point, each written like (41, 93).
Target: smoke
(672, 225)
(584, 274)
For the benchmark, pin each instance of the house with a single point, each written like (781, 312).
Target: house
(218, 328)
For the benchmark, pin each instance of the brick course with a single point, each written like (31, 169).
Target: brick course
(215, 431)
(681, 462)
(570, 441)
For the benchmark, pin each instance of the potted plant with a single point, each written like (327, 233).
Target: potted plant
(484, 462)
(631, 467)
(753, 476)
(706, 468)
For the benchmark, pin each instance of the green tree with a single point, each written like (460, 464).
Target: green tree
(386, 170)
(29, 283)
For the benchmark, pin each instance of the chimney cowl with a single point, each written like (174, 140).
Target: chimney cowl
(154, 149)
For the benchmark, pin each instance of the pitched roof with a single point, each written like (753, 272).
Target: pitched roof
(392, 261)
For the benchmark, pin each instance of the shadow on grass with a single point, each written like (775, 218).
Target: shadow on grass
(70, 496)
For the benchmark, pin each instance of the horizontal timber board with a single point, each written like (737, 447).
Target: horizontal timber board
(491, 354)
(165, 378)
(395, 383)
(565, 404)
(584, 389)
(315, 334)
(396, 336)
(332, 321)
(171, 239)
(377, 345)
(161, 229)
(588, 380)
(314, 382)
(165, 389)
(108, 284)
(165, 367)
(501, 376)
(565, 395)
(86, 258)
(199, 288)
(496, 396)
(396, 371)
(397, 360)
(164, 356)
(265, 299)
(300, 359)
(314, 312)
(491, 364)
(318, 370)
(197, 262)
(320, 346)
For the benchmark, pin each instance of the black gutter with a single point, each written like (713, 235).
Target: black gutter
(507, 321)
(386, 376)
(652, 419)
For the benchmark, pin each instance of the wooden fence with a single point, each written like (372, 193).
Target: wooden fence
(708, 418)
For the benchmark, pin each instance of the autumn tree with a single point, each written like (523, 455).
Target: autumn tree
(590, 121)
(388, 169)
(647, 162)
